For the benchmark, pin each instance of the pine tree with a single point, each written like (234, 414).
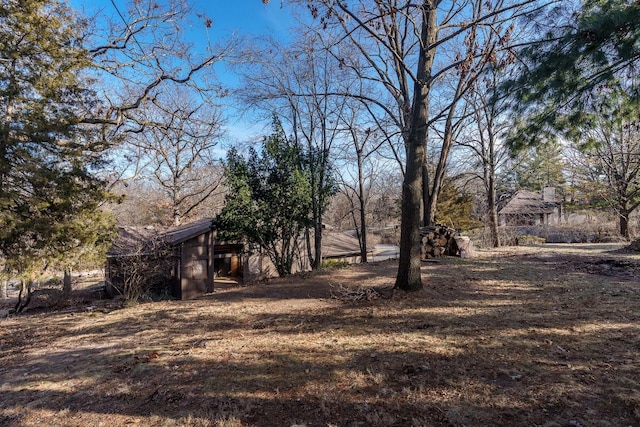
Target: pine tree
(585, 50)
(46, 155)
(540, 166)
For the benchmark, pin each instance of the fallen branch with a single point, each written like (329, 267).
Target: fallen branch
(353, 294)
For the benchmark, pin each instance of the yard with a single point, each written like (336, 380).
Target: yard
(527, 336)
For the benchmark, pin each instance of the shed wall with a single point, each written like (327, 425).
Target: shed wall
(196, 266)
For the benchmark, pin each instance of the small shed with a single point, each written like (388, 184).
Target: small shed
(531, 208)
(186, 258)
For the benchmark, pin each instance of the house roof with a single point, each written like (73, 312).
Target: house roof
(339, 244)
(132, 240)
(175, 236)
(526, 202)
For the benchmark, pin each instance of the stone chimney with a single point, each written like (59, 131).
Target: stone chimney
(549, 194)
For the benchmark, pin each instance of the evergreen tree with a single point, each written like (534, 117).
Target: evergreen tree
(455, 206)
(46, 155)
(269, 199)
(585, 50)
(540, 166)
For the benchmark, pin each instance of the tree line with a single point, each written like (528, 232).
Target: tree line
(421, 97)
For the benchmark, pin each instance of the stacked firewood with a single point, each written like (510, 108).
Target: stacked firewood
(438, 240)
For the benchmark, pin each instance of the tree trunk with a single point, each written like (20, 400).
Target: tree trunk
(4, 294)
(363, 234)
(623, 218)
(317, 240)
(307, 241)
(408, 278)
(66, 283)
(363, 214)
(491, 199)
(426, 197)
(441, 168)
(493, 216)
(23, 300)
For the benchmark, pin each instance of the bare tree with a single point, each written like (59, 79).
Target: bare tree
(360, 164)
(178, 144)
(140, 55)
(300, 82)
(610, 148)
(484, 139)
(404, 48)
(144, 268)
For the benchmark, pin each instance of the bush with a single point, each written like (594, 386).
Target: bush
(529, 240)
(333, 264)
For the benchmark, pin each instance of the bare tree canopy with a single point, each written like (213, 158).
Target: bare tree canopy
(178, 148)
(422, 58)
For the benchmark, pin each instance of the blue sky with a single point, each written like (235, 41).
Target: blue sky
(242, 16)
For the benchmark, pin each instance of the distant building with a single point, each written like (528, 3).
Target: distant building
(531, 208)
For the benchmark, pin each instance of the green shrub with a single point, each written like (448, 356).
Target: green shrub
(529, 240)
(333, 264)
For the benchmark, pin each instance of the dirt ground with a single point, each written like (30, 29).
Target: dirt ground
(537, 336)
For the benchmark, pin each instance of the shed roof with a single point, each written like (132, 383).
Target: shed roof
(132, 240)
(526, 202)
(135, 239)
(175, 236)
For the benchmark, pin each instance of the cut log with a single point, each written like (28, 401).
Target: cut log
(438, 240)
(465, 246)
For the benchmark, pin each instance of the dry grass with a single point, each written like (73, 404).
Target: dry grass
(522, 336)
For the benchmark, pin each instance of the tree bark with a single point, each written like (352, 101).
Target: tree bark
(491, 180)
(317, 242)
(426, 196)
(493, 213)
(4, 289)
(66, 283)
(408, 278)
(363, 214)
(623, 221)
(23, 301)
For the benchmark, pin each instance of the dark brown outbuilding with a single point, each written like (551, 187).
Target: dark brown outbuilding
(188, 256)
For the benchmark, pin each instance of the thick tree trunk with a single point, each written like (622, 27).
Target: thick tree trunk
(623, 221)
(408, 277)
(66, 283)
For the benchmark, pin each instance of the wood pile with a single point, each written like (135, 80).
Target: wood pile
(438, 240)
